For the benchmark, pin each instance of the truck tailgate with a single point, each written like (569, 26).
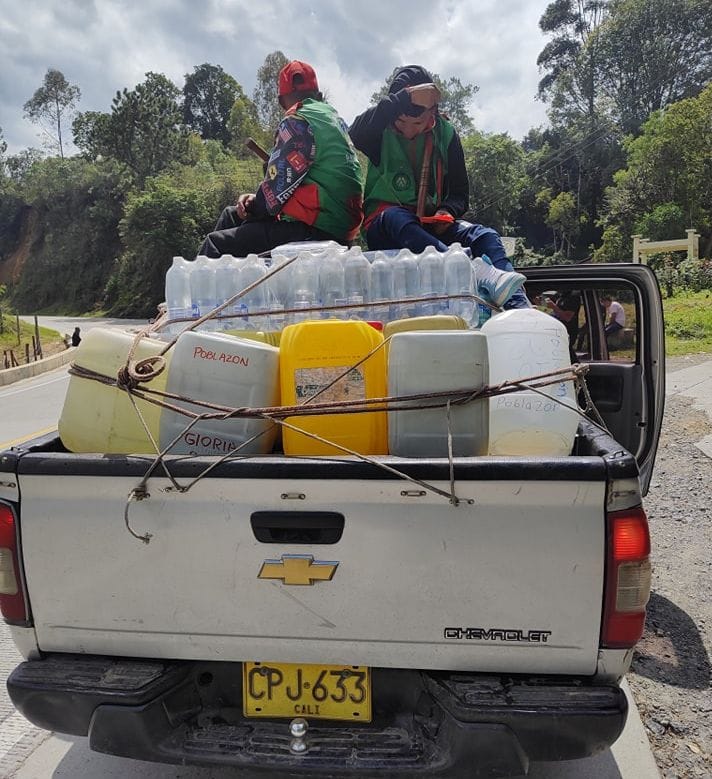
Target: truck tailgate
(511, 582)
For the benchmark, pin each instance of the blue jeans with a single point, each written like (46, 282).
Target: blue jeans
(398, 228)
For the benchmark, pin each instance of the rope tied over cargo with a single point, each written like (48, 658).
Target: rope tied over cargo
(278, 415)
(130, 376)
(135, 374)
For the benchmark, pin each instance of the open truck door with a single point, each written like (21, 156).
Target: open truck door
(626, 375)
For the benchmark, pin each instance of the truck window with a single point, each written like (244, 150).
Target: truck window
(601, 320)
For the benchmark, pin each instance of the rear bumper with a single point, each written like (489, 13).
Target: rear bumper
(425, 724)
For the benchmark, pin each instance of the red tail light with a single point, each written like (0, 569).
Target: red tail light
(628, 578)
(12, 599)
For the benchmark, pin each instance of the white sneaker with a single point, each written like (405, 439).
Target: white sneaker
(497, 285)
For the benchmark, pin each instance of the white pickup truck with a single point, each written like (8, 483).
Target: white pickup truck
(322, 617)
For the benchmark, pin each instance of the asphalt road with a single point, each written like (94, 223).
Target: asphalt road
(32, 406)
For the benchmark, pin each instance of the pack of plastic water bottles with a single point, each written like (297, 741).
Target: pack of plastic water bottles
(326, 280)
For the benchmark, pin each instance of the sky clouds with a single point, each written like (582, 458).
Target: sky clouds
(106, 45)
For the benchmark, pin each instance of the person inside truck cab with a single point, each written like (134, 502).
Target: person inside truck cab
(408, 141)
(312, 188)
(565, 307)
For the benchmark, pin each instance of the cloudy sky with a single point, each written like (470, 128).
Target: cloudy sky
(105, 45)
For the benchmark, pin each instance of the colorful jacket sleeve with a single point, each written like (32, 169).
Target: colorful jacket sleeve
(289, 161)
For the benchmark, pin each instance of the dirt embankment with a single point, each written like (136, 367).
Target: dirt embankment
(11, 268)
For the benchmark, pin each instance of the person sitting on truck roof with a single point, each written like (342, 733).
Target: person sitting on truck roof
(402, 129)
(312, 188)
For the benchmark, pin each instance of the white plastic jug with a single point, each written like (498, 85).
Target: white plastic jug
(227, 371)
(436, 361)
(525, 342)
(99, 418)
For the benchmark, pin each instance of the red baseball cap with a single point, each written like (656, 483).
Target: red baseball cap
(307, 82)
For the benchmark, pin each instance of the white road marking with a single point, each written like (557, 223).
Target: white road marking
(8, 393)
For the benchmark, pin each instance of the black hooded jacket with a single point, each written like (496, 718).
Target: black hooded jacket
(367, 129)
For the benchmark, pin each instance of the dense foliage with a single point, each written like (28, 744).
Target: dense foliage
(628, 150)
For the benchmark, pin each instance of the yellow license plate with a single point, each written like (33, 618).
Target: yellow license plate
(341, 692)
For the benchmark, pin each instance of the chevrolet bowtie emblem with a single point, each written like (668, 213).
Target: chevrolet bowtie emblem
(298, 569)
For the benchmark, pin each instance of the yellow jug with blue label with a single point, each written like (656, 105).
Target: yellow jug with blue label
(312, 355)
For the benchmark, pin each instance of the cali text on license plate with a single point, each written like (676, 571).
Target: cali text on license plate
(341, 692)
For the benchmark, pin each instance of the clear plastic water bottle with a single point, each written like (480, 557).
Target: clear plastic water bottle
(227, 285)
(357, 281)
(406, 283)
(252, 269)
(203, 293)
(459, 280)
(432, 280)
(381, 287)
(178, 298)
(331, 282)
(305, 284)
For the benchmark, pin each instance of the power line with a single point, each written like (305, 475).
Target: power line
(588, 140)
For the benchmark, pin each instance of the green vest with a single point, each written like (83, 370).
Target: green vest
(330, 196)
(396, 178)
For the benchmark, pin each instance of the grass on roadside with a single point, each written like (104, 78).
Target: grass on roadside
(688, 323)
(50, 340)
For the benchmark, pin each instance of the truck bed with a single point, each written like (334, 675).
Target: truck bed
(508, 580)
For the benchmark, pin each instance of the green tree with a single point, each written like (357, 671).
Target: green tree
(669, 164)
(208, 97)
(565, 222)
(90, 130)
(51, 105)
(653, 53)
(568, 159)
(18, 166)
(244, 123)
(143, 130)
(269, 111)
(169, 217)
(568, 63)
(68, 229)
(665, 222)
(3, 149)
(571, 87)
(495, 168)
(455, 101)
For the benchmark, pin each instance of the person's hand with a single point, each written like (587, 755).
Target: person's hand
(424, 95)
(243, 205)
(439, 229)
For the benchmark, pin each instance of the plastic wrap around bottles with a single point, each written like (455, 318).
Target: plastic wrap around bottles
(99, 418)
(438, 361)
(227, 371)
(525, 342)
(313, 354)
